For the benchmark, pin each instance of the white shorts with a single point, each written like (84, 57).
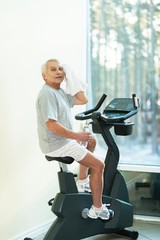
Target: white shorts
(71, 149)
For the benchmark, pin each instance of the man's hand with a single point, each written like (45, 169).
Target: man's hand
(83, 136)
(62, 131)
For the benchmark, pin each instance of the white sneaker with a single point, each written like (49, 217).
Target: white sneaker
(104, 213)
(83, 187)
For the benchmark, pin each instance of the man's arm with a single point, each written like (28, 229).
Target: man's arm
(81, 98)
(59, 129)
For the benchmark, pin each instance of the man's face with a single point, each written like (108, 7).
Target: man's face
(54, 74)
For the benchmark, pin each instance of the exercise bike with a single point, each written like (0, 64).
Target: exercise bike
(71, 206)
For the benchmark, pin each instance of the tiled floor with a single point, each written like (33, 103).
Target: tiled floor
(147, 231)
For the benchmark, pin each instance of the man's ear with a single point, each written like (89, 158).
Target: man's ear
(44, 77)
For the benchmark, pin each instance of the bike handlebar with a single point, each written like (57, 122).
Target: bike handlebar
(87, 114)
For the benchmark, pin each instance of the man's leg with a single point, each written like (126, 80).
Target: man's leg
(83, 170)
(96, 179)
(97, 210)
(83, 182)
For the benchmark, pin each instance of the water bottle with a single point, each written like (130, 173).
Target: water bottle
(85, 129)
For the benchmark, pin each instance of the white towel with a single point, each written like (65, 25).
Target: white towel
(72, 84)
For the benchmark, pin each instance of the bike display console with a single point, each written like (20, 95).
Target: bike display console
(117, 111)
(120, 109)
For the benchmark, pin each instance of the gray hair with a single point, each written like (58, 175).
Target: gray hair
(44, 66)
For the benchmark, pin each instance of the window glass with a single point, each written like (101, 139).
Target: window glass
(124, 58)
(144, 194)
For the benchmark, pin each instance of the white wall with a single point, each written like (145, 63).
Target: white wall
(31, 32)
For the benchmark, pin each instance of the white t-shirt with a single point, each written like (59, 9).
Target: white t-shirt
(53, 104)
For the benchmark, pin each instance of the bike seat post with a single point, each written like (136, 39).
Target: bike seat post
(63, 167)
(66, 179)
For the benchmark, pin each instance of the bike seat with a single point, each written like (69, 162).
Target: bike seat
(67, 160)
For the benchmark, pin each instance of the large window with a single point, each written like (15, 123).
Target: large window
(124, 58)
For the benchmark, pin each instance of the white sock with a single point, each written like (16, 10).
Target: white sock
(97, 209)
(84, 181)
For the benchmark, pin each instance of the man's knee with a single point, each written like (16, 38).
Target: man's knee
(99, 166)
(92, 162)
(92, 144)
(93, 141)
